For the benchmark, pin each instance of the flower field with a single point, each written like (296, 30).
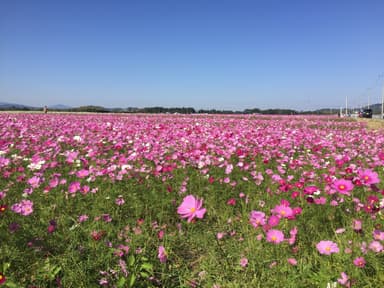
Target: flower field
(108, 200)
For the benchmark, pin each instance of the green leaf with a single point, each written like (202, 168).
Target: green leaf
(132, 280)
(131, 260)
(121, 282)
(147, 267)
(11, 284)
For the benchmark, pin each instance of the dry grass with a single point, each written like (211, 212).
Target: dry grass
(374, 124)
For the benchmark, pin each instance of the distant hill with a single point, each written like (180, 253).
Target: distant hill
(14, 106)
(59, 107)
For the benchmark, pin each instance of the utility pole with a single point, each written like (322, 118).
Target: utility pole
(382, 103)
(346, 106)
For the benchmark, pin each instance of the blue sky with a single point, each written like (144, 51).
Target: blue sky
(222, 54)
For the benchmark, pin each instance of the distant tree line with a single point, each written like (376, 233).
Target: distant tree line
(181, 110)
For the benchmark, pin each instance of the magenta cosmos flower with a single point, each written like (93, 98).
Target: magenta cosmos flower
(275, 236)
(162, 254)
(191, 208)
(327, 247)
(343, 186)
(359, 262)
(368, 177)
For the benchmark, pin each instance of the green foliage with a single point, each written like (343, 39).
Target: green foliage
(72, 257)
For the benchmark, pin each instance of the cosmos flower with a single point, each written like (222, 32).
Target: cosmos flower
(162, 254)
(257, 218)
(243, 262)
(2, 278)
(343, 186)
(359, 262)
(25, 207)
(191, 208)
(283, 211)
(368, 177)
(344, 279)
(292, 261)
(327, 247)
(275, 236)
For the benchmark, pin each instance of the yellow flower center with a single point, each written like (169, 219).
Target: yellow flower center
(1, 277)
(328, 248)
(342, 187)
(193, 209)
(274, 238)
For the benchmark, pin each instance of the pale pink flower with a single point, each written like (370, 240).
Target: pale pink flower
(34, 182)
(283, 211)
(327, 247)
(220, 235)
(243, 262)
(119, 201)
(24, 207)
(191, 208)
(82, 173)
(257, 218)
(293, 234)
(340, 230)
(292, 261)
(275, 236)
(375, 246)
(357, 224)
(378, 235)
(344, 280)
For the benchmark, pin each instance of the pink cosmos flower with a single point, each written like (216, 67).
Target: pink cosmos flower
(378, 235)
(243, 262)
(357, 225)
(83, 218)
(344, 279)
(368, 177)
(273, 221)
(327, 247)
(220, 235)
(376, 246)
(34, 182)
(191, 208)
(359, 262)
(343, 186)
(292, 261)
(293, 234)
(162, 254)
(257, 218)
(119, 200)
(25, 207)
(82, 173)
(275, 236)
(74, 187)
(283, 211)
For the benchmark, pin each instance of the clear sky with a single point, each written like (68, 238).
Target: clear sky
(222, 54)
